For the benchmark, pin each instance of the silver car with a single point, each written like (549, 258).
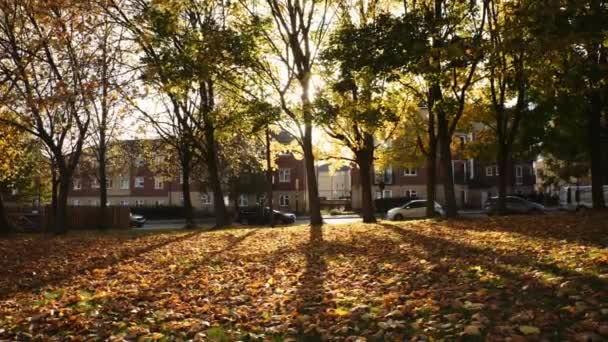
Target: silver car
(514, 205)
(411, 210)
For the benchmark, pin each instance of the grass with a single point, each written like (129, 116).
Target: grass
(483, 279)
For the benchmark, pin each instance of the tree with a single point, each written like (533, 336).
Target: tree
(194, 53)
(110, 99)
(45, 69)
(510, 55)
(575, 34)
(294, 43)
(15, 163)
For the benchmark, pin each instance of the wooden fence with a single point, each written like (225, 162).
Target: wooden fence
(78, 217)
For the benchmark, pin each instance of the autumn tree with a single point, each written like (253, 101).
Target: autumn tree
(45, 70)
(110, 99)
(294, 32)
(193, 53)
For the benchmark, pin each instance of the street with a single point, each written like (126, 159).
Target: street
(345, 219)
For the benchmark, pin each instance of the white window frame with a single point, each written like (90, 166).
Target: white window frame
(181, 179)
(378, 195)
(124, 203)
(410, 172)
(158, 183)
(387, 193)
(77, 184)
(205, 198)
(94, 183)
(489, 171)
(243, 200)
(122, 183)
(284, 200)
(139, 182)
(76, 202)
(139, 161)
(410, 193)
(159, 202)
(284, 175)
(109, 183)
(496, 171)
(140, 203)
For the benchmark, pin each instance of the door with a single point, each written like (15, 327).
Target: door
(417, 210)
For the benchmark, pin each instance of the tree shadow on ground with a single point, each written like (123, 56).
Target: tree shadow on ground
(61, 275)
(581, 228)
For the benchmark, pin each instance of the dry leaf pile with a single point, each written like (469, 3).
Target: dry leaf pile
(508, 278)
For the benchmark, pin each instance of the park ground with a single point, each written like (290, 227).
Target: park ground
(536, 278)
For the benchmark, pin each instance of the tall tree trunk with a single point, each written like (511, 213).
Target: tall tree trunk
(445, 158)
(5, 226)
(188, 210)
(364, 160)
(103, 184)
(309, 158)
(501, 162)
(54, 190)
(269, 177)
(431, 165)
(595, 148)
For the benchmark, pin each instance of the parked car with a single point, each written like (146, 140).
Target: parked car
(412, 209)
(255, 215)
(136, 220)
(514, 205)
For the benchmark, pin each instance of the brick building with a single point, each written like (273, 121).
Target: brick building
(133, 181)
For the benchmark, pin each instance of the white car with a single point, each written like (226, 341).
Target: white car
(412, 209)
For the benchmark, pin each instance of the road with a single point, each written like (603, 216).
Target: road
(178, 224)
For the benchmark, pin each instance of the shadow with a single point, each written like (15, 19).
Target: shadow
(310, 295)
(490, 258)
(581, 228)
(53, 276)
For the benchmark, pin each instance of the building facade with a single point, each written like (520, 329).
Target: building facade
(136, 181)
(334, 185)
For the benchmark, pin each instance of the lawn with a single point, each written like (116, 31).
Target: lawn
(509, 278)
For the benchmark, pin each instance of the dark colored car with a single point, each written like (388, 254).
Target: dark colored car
(514, 205)
(136, 220)
(256, 215)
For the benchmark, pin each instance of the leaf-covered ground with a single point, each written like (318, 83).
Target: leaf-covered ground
(512, 278)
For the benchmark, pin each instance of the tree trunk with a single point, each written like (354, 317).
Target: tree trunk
(188, 211)
(501, 162)
(309, 158)
(5, 226)
(431, 163)
(445, 158)
(364, 160)
(269, 177)
(62, 203)
(103, 185)
(595, 149)
(221, 216)
(54, 190)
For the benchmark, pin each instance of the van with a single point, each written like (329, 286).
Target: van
(572, 197)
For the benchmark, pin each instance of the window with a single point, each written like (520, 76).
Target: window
(496, 173)
(284, 175)
(181, 179)
(158, 183)
(109, 183)
(519, 175)
(124, 183)
(388, 176)
(243, 200)
(388, 193)
(410, 171)
(284, 200)
(77, 184)
(124, 203)
(140, 203)
(159, 203)
(139, 182)
(489, 170)
(205, 198)
(410, 193)
(76, 202)
(417, 204)
(94, 183)
(378, 194)
(139, 161)
(158, 161)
